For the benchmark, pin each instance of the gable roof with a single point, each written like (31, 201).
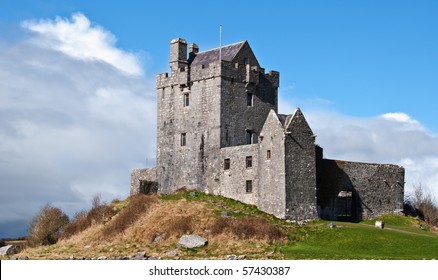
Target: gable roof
(284, 119)
(228, 53)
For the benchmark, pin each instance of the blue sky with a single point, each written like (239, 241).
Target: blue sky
(77, 100)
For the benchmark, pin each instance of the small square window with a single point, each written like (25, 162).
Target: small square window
(245, 60)
(183, 139)
(268, 154)
(249, 162)
(249, 186)
(186, 99)
(227, 164)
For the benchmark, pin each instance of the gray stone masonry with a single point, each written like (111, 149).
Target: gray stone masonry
(356, 191)
(143, 181)
(219, 132)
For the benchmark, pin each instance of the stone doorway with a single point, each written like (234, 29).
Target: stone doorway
(148, 187)
(344, 206)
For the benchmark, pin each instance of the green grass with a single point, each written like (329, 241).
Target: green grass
(403, 238)
(362, 241)
(220, 204)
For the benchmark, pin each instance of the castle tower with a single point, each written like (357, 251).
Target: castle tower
(206, 104)
(178, 54)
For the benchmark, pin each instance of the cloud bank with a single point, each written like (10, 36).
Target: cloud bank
(76, 115)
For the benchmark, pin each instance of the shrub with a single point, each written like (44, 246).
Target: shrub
(99, 214)
(46, 226)
(423, 204)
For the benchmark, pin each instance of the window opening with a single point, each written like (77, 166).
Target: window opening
(227, 164)
(186, 99)
(249, 186)
(249, 99)
(183, 139)
(249, 136)
(248, 161)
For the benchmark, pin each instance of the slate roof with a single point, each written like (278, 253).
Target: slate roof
(228, 53)
(285, 119)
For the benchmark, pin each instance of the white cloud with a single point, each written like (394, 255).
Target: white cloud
(399, 117)
(70, 127)
(78, 38)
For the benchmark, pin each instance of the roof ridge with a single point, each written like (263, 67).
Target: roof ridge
(242, 42)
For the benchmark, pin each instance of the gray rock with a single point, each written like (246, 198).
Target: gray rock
(192, 241)
(225, 214)
(331, 225)
(159, 238)
(154, 258)
(20, 258)
(8, 250)
(101, 258)
(232, 257)
(173, 253)
(139, 256)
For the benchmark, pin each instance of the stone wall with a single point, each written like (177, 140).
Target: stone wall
(300, 169)
(234, 180)
(194, 164)
(143, 181)
(356, 191)
(272, 172)
(239, 80)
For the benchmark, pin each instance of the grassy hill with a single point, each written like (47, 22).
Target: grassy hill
(154, 224)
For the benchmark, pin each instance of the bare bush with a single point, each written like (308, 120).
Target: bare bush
(96, 201)
(424, 205)
(46, 226)
(99, 214)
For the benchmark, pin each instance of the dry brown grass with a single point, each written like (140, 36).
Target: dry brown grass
(169, 219)
(249, 227)
(144, 218)
(99, 214)
(137, 207)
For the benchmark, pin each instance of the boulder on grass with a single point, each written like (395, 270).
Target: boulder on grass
(8, 250)
(192, 241)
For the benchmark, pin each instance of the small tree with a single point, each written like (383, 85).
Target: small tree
(45, 227)
(425, 206)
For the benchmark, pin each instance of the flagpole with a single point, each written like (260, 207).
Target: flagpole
(220, 43)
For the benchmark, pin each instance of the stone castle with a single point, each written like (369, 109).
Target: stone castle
(219, 132)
